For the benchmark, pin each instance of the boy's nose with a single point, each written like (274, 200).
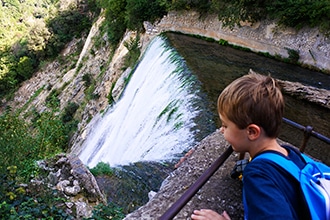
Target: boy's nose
(221, 130)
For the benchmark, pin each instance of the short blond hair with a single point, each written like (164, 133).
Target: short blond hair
(253, 99)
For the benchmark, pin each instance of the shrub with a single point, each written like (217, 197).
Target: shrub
(102, 169)
(28, 201)
(110, 211)
(69, 112)
(293, 55)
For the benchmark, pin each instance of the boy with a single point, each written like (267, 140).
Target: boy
(251, 110)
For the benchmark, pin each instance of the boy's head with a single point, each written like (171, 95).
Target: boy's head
(253, 99)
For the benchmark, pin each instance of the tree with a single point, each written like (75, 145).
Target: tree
(138, 11)
(25, 68)
(37, 39)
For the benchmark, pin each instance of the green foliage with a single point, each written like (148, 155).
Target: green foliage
(133, 52)
(115, 19)
(223, 42)
(64, 27)
(138, 11)
(51, 134)
(52, 99)
(25, 68)
(17, 144)
(110, 98)
(130, 14)
(34, 31)
(29, 201)
(169, 111)
(299, 13)
(293, 55)
(87, 78)
(89, 84)
(202, 6)
(22, 143)
(102, 169)
(293, 13)
(69, 111)
(110, 211)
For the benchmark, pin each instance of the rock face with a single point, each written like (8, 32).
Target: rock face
(265, 36)
(309, 93)
(69, 175)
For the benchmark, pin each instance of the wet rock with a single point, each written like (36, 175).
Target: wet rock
(309, 93)
(72, 190)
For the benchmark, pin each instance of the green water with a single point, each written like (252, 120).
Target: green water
(216, 66)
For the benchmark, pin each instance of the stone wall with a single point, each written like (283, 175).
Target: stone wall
(264, 36)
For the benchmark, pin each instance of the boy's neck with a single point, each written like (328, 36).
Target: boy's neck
(266, 144)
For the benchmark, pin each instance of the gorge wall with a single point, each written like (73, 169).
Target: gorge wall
(264, 36)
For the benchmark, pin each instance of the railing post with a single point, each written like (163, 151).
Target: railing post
(307, 134)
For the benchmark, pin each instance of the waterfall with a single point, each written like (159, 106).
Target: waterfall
(154, 118)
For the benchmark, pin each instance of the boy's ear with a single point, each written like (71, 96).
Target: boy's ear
(253, 131)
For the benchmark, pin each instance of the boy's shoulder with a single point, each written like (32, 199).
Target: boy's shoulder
(270, 168)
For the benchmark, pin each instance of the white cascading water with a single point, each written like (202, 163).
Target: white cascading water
(153, 119)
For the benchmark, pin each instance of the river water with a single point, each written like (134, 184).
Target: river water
(216, 66)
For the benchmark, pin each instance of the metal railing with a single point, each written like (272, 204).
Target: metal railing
(193, 189)
(308, 132)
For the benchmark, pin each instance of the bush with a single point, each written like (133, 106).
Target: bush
(293, 55)
(102, 169)
(133, 52)
(111, 211)
(138, 11)
(17, 145)
(22, 143)
(69, 112)
(28, 201)
(64, 27)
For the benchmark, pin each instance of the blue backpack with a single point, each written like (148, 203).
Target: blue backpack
(314, 180)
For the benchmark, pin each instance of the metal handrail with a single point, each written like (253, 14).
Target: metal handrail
(193, 189)
(308, 132)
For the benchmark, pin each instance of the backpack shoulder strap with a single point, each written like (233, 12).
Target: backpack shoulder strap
(283, 162)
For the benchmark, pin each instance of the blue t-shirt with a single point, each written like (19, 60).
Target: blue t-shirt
(270, 192)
